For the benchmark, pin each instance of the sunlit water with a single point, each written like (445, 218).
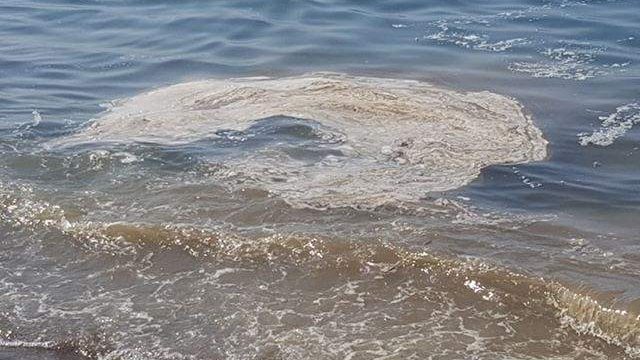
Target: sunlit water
(160, 251)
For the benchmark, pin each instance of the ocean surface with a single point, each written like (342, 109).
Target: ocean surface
(233, 246)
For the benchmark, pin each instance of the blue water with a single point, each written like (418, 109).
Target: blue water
(571, 63)
(64, 58)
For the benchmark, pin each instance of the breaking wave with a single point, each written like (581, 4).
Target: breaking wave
(521, 295)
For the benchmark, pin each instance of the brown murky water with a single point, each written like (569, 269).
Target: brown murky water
(464, 186)
(148, 253)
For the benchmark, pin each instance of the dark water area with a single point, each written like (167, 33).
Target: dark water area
(158, 251)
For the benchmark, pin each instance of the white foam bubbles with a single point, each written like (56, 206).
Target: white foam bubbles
(37, 118)
(397, 139)
(613, 126)
(571, 61)
(448, 34)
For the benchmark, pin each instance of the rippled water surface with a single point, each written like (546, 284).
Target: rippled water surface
(174, 250)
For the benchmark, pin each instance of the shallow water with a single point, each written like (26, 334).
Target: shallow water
(152, 250)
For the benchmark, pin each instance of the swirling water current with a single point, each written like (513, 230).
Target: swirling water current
(152, 249)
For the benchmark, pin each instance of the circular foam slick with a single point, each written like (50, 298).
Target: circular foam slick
(390, 139)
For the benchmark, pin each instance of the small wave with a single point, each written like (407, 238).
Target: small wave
(587, 316)
(520, 294)
(492, 283)
(613, 126)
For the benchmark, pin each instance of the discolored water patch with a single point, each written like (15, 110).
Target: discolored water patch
(367, 141)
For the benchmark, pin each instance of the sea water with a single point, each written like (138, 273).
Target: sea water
(319, 179)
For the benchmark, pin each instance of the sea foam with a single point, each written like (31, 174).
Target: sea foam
(613, 126)
(396, 139)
